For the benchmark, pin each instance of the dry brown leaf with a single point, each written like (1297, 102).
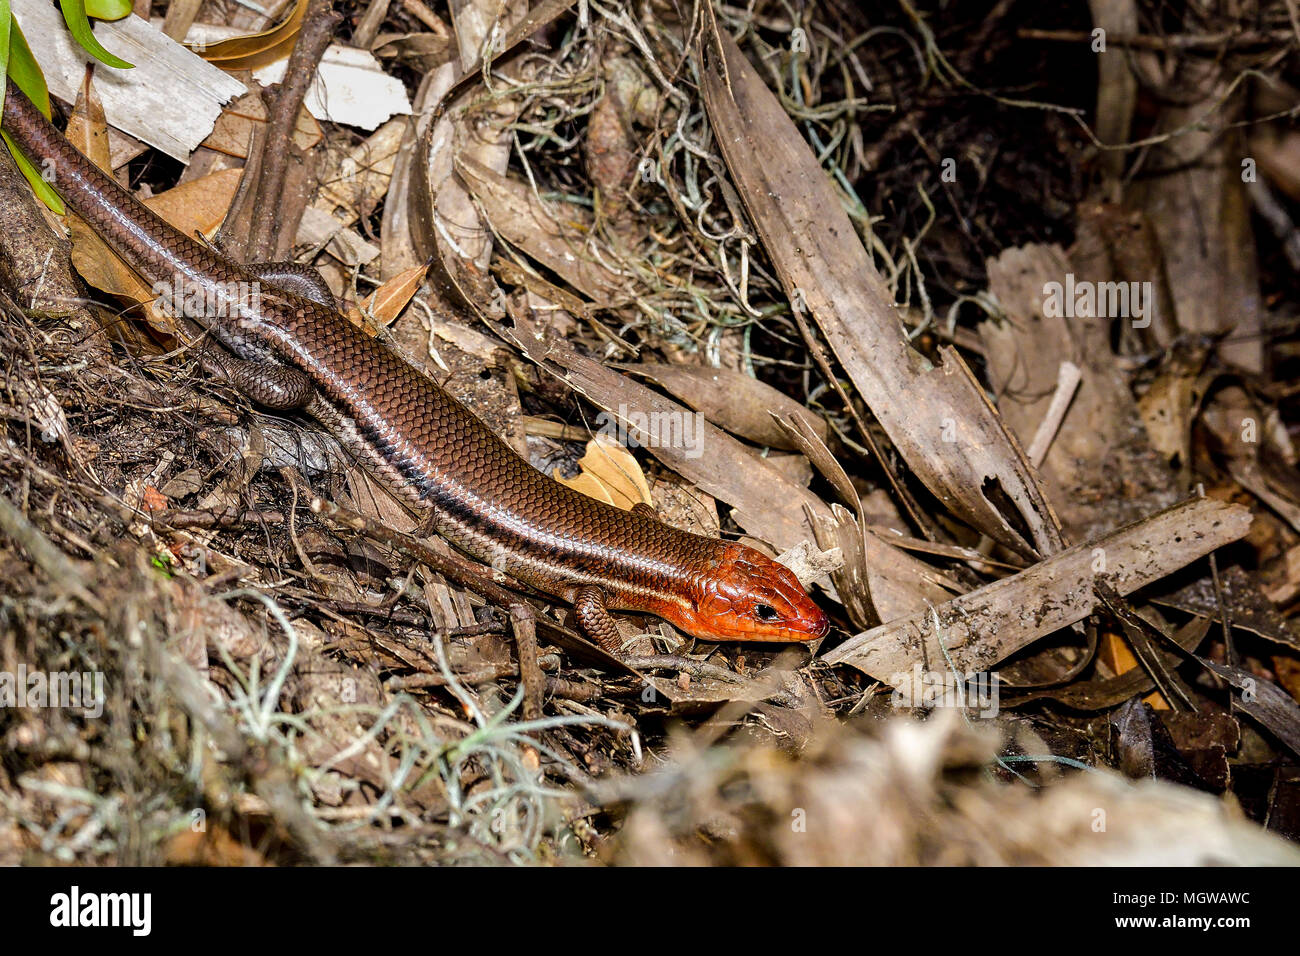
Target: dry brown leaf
(878, 581)
(422, 181)
(554, 235)
(233, 131)
(1171, 402)
(732, 400)
(945, 430)
(257, 49)
(354, 183)
(387, 302)
(1098, 471)
(1201, 216)
(99, 265)
(200, 205)
(442, 217)
(610, 474)
(212, 846)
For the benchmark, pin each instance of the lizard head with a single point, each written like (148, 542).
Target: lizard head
(746, 596)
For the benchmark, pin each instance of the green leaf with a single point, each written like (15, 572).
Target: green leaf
(74, 15)
(44, 191)
(6, 20)
(23, 70)
(108, 9)
(26, 72)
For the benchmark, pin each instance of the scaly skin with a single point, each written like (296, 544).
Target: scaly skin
(429, 448)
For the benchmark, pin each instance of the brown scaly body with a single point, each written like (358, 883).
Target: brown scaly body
(428, 447)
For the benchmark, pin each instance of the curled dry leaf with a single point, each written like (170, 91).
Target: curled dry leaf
(553, 235)
(387, 302)
(877, 582)
(946, 430)
(1262, 700)
(234, 129)
(443, 217)
(99, 265)
(1102, 693)
(610, 474)
(256, 49)
(1170, 404)
(808, 562)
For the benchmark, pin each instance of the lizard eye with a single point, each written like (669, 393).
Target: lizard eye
(765, 612)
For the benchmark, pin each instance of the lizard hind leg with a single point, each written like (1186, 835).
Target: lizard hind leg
(295, 277)
(270, 384)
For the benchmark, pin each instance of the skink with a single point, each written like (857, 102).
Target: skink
(294, 350)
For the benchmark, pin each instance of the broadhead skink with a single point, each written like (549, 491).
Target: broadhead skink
(293, 349)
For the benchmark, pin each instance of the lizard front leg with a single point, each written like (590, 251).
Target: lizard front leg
(593, 618)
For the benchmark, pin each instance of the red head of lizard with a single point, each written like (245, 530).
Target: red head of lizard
(746, 596)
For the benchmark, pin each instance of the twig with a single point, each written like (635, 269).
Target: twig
(317, 28)
(1068, 377)
(182, 519)
(524, 624)
(685, 665)
(368, 27)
